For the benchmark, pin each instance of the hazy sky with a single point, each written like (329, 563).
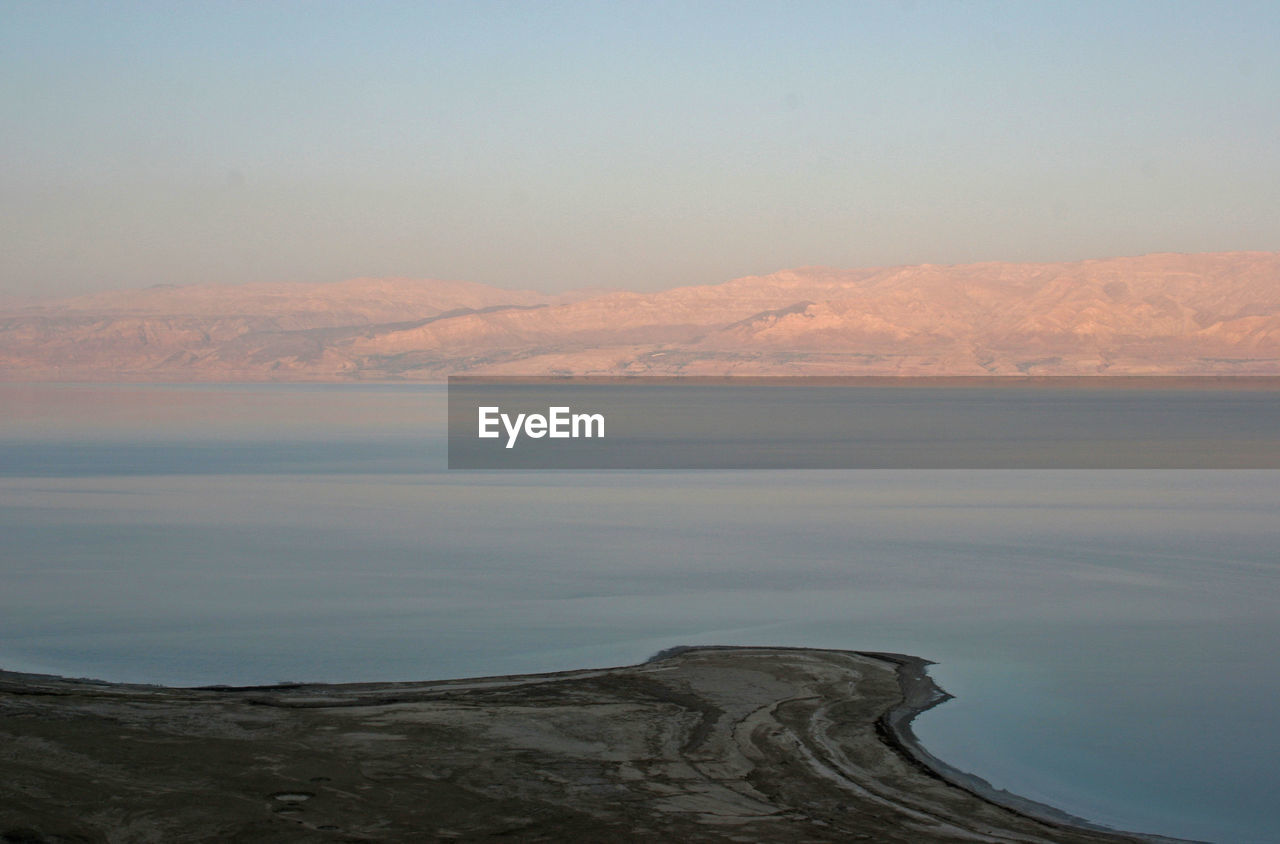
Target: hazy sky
(643, 145)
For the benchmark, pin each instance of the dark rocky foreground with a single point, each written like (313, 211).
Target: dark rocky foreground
(704, 744)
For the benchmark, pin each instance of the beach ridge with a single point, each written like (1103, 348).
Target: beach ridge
(701, 743)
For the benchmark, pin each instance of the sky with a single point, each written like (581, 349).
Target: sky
(638, 145)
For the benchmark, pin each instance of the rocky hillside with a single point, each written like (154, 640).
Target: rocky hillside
(1167, 313)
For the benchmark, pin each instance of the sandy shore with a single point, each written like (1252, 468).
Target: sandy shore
(698, 744)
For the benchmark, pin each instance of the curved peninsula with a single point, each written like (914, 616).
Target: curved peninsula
(698, 744)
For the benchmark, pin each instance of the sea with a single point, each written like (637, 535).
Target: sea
(1111, 638)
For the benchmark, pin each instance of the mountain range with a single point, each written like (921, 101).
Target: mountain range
(1213, 313)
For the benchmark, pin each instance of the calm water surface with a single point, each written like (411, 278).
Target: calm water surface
(1109, 635)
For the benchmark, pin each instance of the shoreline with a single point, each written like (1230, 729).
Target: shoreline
(920, 694)
(713, 742)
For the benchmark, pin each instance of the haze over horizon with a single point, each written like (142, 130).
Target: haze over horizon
(640, 147)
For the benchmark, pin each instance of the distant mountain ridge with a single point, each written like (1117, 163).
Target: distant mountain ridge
(1213, 313)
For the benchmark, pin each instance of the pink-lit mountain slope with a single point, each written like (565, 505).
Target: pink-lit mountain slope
(1165, 314)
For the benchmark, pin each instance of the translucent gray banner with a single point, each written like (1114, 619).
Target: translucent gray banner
(1095, 422)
